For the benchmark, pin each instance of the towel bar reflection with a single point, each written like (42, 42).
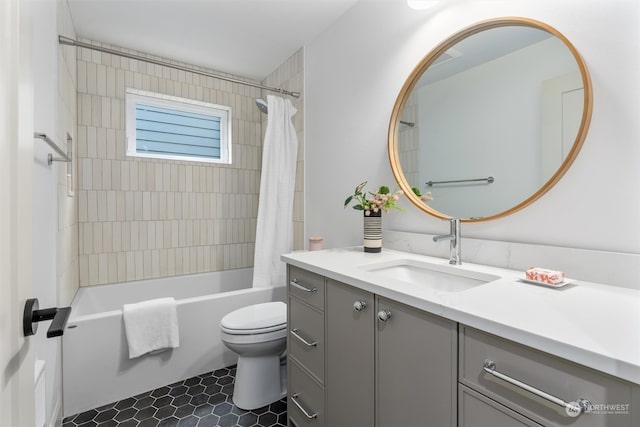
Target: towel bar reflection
(63, 156)
(488, 180)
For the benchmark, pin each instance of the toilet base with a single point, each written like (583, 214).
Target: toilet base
(259, 381)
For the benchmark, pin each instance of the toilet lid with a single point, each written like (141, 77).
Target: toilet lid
(268, 315)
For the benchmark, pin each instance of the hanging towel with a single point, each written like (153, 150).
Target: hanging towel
(274, 229)
(151, 325)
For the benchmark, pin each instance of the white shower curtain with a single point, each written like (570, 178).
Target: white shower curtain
(274, 232)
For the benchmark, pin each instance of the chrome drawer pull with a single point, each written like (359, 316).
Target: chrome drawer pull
(573, 409)
(294, 399)
(294, 332)
(295, 284)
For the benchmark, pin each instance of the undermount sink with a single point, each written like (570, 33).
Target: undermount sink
(437, 277)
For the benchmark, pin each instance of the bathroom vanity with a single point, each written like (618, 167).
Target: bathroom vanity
(401, 339)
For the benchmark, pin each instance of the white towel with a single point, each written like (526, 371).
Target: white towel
(151, 325)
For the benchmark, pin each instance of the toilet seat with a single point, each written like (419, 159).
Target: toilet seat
(256, 319)
(235, 338)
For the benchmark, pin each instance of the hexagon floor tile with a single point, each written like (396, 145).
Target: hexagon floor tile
(202, 401)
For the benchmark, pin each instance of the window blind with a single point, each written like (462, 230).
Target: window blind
(166, 131)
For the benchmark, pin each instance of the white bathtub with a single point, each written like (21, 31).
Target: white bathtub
(96, 365)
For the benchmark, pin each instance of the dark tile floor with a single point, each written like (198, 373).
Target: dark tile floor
(202, 401)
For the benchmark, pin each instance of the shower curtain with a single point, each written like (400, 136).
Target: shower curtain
(274, 232)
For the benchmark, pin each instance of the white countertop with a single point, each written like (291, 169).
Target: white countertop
(591, 324)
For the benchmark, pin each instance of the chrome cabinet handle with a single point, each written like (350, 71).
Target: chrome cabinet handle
(384, 315)
(294, 399)
(573, 409)
(295, 284)
(359, 305)
(294, 332)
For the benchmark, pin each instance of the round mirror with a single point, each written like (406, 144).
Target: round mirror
(490, 120)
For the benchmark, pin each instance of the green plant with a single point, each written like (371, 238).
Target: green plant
(383, 199)
(424, 197)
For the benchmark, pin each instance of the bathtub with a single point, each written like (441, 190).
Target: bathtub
(96, 365)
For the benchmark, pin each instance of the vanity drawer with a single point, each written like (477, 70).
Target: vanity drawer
(475, 410)
(307, 286)
(305, 400)
(549, 374)
(306, 337)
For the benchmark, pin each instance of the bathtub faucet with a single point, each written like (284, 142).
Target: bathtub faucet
(455, 256)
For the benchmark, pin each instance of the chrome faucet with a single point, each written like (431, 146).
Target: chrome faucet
(454, 239)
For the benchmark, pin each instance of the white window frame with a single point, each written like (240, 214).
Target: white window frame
(135, 96)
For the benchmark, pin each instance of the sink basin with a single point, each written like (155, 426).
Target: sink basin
(443, 278)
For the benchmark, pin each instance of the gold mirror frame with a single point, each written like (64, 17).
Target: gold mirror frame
(430, 58)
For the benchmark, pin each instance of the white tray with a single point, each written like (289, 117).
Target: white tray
(565, 282)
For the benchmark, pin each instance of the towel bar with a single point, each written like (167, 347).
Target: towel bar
(488, 180)
(63, 156)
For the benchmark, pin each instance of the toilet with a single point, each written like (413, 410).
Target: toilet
(258, 335)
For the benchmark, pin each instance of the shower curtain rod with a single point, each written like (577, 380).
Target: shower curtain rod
(72, 42)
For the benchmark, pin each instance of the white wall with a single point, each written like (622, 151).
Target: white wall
(55, 253)
(16, 157)
(357, 67)
(45, 214)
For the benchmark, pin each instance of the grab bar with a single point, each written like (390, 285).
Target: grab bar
(573, 409)
(488, 180)
(50, 159)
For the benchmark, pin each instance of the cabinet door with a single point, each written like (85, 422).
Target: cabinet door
(350, 351)
(416, 371)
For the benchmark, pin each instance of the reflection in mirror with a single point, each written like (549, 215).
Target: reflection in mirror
(489, 121)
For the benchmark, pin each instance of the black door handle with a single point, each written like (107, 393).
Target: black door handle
(32, 315)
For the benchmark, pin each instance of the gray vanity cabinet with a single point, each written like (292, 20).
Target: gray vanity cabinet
(388, 364)
(356, 359)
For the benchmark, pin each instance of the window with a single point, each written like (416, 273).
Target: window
(168, 127)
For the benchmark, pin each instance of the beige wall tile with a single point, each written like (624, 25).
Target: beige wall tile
(143, 218)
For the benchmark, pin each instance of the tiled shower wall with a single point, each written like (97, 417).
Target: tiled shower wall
(290, 76)
(145, 218)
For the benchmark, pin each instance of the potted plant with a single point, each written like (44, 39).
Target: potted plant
(372, 205)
